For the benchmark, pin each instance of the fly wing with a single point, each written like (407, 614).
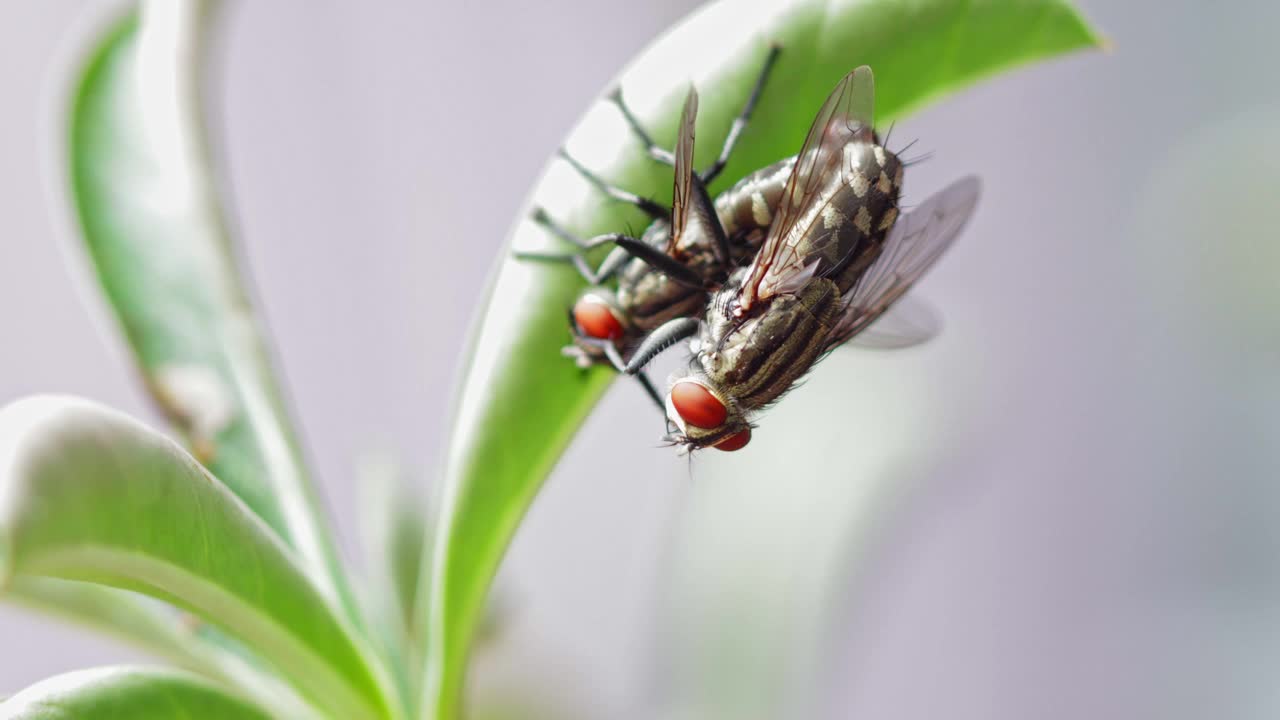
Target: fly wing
(845, 117)
(917, 240)
(909, 322)
(683, 191)
(695, 227)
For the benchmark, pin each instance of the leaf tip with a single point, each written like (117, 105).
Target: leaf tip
(1088, 34)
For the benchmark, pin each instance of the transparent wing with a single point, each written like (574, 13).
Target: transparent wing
(845, 117)
(911, 248)
(683, 191)
(907, 323)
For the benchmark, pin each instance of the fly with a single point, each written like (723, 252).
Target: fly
(835, 258)
(687, 251)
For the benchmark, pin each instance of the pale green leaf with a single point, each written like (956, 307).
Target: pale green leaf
(127, 693)
(153, 627)
(521, 402)
(87, 493)
(393, 532)
(144, 192)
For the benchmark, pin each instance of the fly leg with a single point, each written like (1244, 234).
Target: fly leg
(652, 391)
(662, 155)
(625, 248)
(615, 358)
(744, 117)
(666, 157)
(612, 263)
(661, 338)
(652, 208)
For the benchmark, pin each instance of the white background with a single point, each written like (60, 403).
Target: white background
(1101, 542)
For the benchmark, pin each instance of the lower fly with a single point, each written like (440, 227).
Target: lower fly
(686, 253)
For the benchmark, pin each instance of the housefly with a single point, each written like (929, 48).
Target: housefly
(835, 258)
(686, 253)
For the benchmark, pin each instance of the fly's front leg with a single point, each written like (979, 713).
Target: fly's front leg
(652, 392)
(744, 117)
(662, 337)
(662, 155)
(615, 358)
(626, 247)
(612, 263)
(652, 208)
(666, 157)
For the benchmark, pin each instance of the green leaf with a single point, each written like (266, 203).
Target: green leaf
(87, 493)
(393, 529)
(521, 402)
(126, 693)
(155, 628)
(144, 192)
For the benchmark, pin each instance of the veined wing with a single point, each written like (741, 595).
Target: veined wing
(908, 322)
(695, 228)
(682, 192)
(845, 118)
(913, 245)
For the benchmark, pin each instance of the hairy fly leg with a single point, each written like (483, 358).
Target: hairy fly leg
(608, 268)
(730, 141)
(662, 337)
(615, 358)
(655, 151)
(744, 117)
(625, 248)
(652, 208)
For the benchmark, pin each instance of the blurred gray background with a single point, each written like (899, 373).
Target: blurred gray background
(1064, 507)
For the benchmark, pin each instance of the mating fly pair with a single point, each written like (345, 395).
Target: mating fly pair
(685, 253)
(834, 257)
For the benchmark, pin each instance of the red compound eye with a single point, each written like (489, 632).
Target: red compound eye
(596, 319)
(697, 405)
(736, 441)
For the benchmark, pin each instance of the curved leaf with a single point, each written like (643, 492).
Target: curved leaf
(520, 401)
(152, 627)
(126, 693)
(393, 520)
(144, 193)
(87, 493)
